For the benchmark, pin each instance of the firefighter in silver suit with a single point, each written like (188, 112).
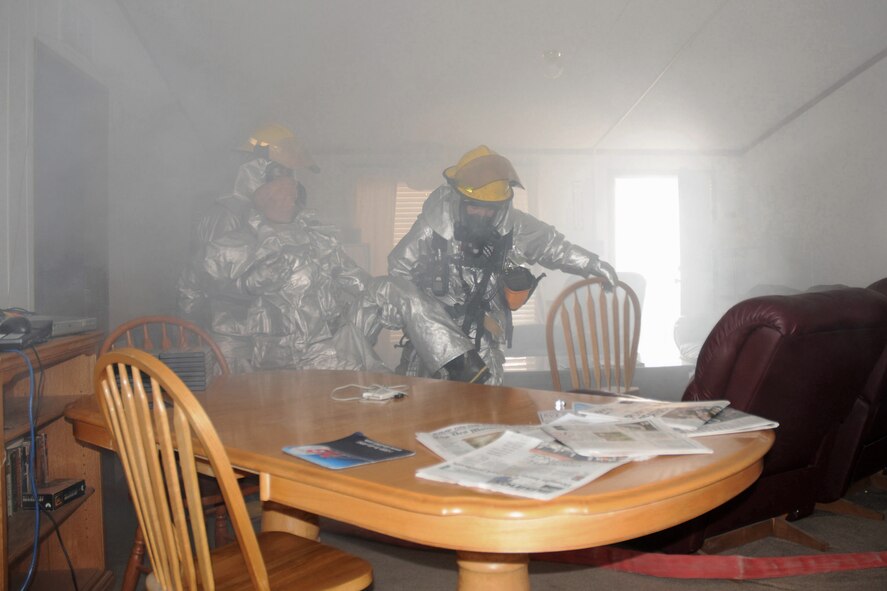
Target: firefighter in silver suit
(466, 250)
(275, 284)
(275, 288)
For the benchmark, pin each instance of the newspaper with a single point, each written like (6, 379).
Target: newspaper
(731, 420)
(684, 416)
(457, 440)
(521, 465)
(568, 450)
(635, 439)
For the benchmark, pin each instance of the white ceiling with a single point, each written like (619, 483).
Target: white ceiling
(406, 75)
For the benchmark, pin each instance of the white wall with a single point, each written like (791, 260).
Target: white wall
(16, 145)
(156, 165)
(811, 202)
(805, 207)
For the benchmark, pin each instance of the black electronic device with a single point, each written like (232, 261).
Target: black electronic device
(15, 325)
(18, 332)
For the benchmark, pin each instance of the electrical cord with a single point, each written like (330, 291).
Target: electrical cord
(34, 398)
(58, 534)
(40, 381)
(33, 477)
(347, 398)
(62, 544)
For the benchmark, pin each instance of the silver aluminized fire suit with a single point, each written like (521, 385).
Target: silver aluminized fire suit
(287, 295)
(532, 242)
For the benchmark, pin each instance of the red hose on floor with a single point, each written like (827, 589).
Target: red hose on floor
(687, 566)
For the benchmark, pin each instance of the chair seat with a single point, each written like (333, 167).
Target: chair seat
(293, 563)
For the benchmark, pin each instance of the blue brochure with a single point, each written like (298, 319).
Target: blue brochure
(354, 450)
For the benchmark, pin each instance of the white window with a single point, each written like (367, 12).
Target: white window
(407, 207)
(647, 233)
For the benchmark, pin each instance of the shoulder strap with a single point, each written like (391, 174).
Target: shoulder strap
(475, 307)
(440, 268)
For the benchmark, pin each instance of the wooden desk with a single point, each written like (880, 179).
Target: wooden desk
(257, 414)
(67, 364)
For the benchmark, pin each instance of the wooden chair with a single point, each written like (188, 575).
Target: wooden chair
(600, 329)
(164, 333)
(158, 334)
(159, 430)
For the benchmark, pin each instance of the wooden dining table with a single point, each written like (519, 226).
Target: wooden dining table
(492, 534)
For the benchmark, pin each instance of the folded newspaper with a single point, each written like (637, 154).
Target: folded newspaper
(457, 440)
(521, 465)
(636, 439)
(568, 450)
(684, 416)
(731, 420)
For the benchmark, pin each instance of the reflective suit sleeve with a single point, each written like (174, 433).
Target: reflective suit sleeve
(349, 275)
(233, 267)
(435, 336)
(538, 242)
(219, 220)
(406, 259)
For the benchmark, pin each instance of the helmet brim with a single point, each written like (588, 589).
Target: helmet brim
(483, 171)
(287, 152)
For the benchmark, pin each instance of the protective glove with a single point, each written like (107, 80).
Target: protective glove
(267, 275)
(390, 316)
(605, 270)
(468, 367)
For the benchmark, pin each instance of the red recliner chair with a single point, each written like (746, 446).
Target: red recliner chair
(880, 286)
(802, 360)
(860, 449)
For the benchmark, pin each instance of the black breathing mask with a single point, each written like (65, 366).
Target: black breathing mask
(476, 224)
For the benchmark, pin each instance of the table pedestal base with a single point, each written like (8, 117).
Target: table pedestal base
(493, 572)
(277, 517)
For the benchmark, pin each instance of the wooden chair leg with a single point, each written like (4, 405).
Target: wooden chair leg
(135, 565)
(876, 481)
(737, 537)
(845, 507)
(777, 527)
(879, 480)
(784, 530)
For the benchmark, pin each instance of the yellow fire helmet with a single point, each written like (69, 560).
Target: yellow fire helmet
(282, 147)
(483, 175)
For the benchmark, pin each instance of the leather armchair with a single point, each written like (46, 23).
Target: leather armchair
(801, 360)
(880, 286)
(860, 448)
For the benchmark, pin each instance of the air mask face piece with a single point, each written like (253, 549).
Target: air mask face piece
(278, 197)
(477, 223)
(275, 170)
